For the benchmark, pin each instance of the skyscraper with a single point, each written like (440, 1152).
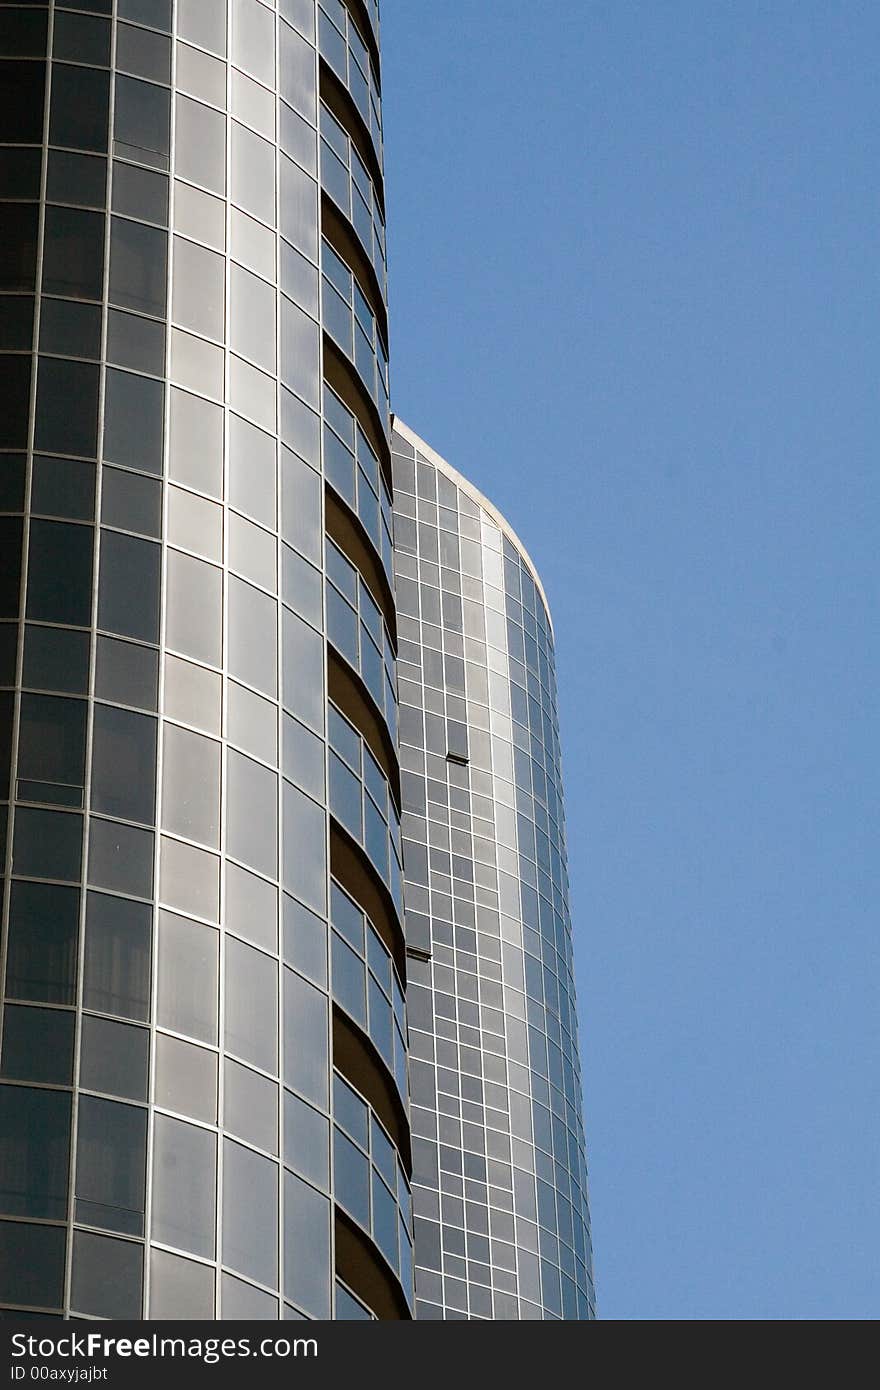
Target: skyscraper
(499, 1178)
(204, 1068)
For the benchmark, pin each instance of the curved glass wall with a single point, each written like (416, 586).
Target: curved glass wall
(166, 778)
(500, 1178)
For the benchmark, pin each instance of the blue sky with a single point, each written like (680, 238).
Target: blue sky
(635, 297)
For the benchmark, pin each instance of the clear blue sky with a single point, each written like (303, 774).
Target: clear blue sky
(635, 283)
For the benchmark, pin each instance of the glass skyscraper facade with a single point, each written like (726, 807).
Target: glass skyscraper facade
(205, 1060)
(499, 1178)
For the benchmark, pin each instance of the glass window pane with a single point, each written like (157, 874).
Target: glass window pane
(200, 144)
(198, 289)
(73, 255)
(126, 673)
(80, 106)
(253, 173)
(250, 1106)
(48, 844)
(120, 857)
(250, 1213)
(143, 52)
(117, 956)
(133, 424)
(140, 193)
(180, 1289)
(251, 1004)
(305, 1038)
(307, 1247)
(81, 37)
(191, 785)
(141, 117)
(242, 1302)
(107, 1276)
(114, 1058)
(188, 976)
(306, 1140)
(77, 178)
(41, 960)
(305, 848)
(253, 636)
(302, 676)
(51, 746)
(63, 487)
(352, 1176)
(349, 976)
(303, 756)
(137, 266)
(37, 1045)
(136, 342)
(124, 764)
(110, 1157)
(305, 941)
(186, 1078)
(128, 593)
(184, 1186)
(34, 1152)
(130, 501)
(67, 407)
(60, 572)
(32, 1264)
(194, 620)
(252, 807)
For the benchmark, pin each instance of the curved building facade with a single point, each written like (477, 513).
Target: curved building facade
(500, 1177)
(203, 1089)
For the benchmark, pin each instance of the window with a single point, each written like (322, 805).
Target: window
(110, 1158)
(37, 1045)
(60, 572)
(34, 1152)
(114, 1058)
(188, 977)
(43, 929)
(250, 1213)
(184, 1186)
(117, 956)
(107, 1276)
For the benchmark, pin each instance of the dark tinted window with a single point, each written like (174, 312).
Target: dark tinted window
(37, 1044)
(10, 564)
(15, 383)
(136, 342)
(82, 38)
(126, 673)
(31, 1264)
(64, 487)
(34, 1151)
(67, 407)
(124, 764)
(22, 85)
(117, 956)
(80, 106)
(110, 1165)
(137, 266)
(70, 328)
(128, 595)
(19, 173)
(16, 323)
(107, 1276)
(73, 253)
(48, 844)
(120, 857)
(77, 178)
(18, 245)
(131, 501)
(142, 115)
(52, 741)
(56, 659)
(60, 573)
(140, 193)
(11, 482)
(114, 1058)
(23, 32)
(43, 928)
(133, 421)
